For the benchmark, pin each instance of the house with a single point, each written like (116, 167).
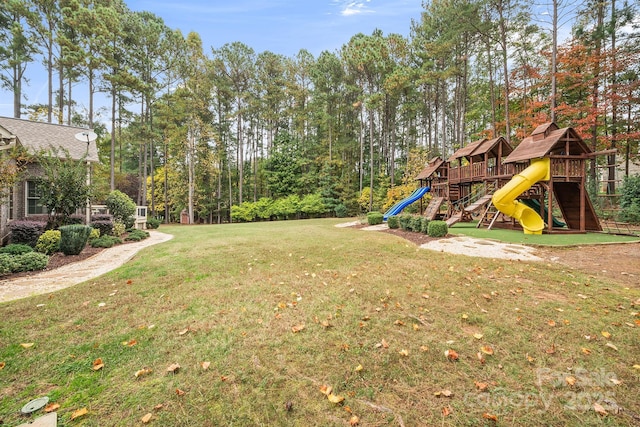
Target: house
(21, 201)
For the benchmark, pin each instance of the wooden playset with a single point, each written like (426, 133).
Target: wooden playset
(502, 186)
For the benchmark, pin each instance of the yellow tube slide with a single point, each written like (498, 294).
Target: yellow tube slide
(505, 201)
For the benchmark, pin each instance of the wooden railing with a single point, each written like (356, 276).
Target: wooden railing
(566, 167)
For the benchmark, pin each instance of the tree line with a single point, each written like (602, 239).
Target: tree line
(201, 129)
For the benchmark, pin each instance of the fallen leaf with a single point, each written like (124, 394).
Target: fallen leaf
(158, 407)
(446, 411)
(606, 334)
(399, 322)
(480, 357)
(79, 413)
(486, 350)
(174, 367)
(359, 368)
(404, 352)
(488, 416)
(97, 364)
(51, 407)
(599, 408)
(205, 365)
(465, 316)
(551, 323)
(551, 350)
(424, 348)
(415, 327)
(146, 418)
(585, 351)
(184, 331)
(636, 366)
(570, 380)
(326, 389)
(443, 393)
(2, 365)
(530, 359)
(384, 343)
(335, 398)
(615, 381)
(481, 386)
(610, 345)
(26, 344)
(129, 282)
(297, 328)
(354, 421)
(142, 372)
(487, 297)
(451, 354)
(478, 336)
(180, 392)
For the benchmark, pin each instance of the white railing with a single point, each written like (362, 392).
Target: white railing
(140, 216)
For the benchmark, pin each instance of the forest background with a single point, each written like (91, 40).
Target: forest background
(211, 131)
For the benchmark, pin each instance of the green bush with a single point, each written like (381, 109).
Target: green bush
(630, 200)
(405, 221)
(341, 211)
(73, 238)
(105, 242)
(416, 223)
(137, 235)
(121, 207)
(32, 261)
(153, 223)
(118, 228)
(16, 249)
(8, 264)
(393, 222)
(104, 227)
(49, 242)
(437, 229)
(425, 225)
(374, 218)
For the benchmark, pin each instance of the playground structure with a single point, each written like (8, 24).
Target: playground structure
(502, 186)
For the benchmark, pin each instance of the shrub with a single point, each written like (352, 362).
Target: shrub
(31, 261)
(393, 222)
(73, 238)
(118, 228)
(102, 217)
(341, 211)
(374, 218)
(416, 223)
(105, 242)
(405, 221)
(425, 225)
(74, 219)
(48, 242)
(8, 264)
(121, 207)
(16, 249)
(104, 227)
(153, 223)
(26, 232)
(137, 235)
(437, 229)
(630, 200)
(95, 233)
(312, 205)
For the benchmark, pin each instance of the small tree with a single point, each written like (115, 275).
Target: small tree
(121, 207)
(63, 186)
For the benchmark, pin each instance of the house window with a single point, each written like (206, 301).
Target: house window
(34, 207)
(11, 211)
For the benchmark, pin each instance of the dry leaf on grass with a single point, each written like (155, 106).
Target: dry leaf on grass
(354, 421)
(79, 413)
(446, 411)
(146, 418)
(335, 398)
(297, 328)
(142, 372)
(97, 364)
(599, 409)
(486, 350)
(180, 392)
(205, 365)
(51, 407)
(488, 416)
(173, 368)
(2, 365)
(26, 344)
(481, 386)
(451, 354)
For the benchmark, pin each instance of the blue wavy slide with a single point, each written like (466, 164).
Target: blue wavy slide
(414, 197)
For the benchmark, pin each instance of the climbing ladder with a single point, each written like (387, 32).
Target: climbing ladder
(467, 211)
(433, 208)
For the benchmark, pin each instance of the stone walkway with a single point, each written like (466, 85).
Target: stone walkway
(77, 272)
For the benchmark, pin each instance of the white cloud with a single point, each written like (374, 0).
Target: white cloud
(350, 8)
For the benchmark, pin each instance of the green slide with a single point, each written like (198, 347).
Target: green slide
(535, 205)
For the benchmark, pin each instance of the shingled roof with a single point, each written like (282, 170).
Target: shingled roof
(466, 150)
(433, 166)
(545, 140)
(37, 137)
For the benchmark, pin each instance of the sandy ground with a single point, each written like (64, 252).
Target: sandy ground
(78, 272)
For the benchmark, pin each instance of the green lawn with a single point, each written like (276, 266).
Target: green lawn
(517, 236)
(280, 309)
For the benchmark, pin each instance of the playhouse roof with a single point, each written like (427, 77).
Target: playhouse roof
(482, 147)
(433, 166)
(38, 136)
(548, 139)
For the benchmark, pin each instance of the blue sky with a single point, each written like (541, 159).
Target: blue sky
(280, 26)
